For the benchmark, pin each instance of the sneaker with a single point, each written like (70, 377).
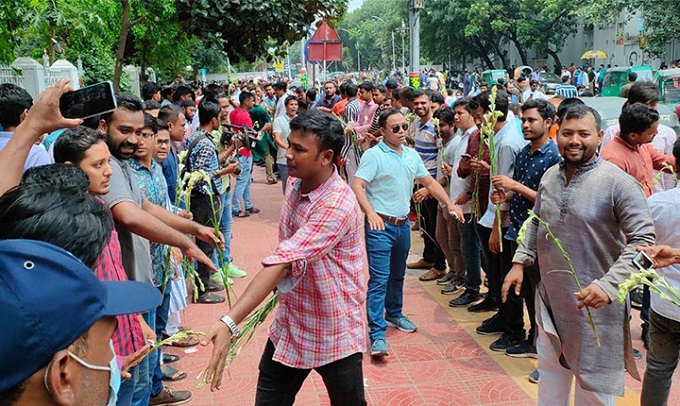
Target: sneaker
(419, 264)
(169, 397)
(217, 279)
(431, 275)
(402, 323)
(379, 348)
(637, 354)
(636, 298)
(493, 327)
(486, 305)
(448, 277)
(464, 300)
(490, 319)
(234, 272)
(505, 341)
(453, 287)
(533, 376)
(522, 350)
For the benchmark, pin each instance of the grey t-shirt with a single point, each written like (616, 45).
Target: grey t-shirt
(134, 249)
(282, 126)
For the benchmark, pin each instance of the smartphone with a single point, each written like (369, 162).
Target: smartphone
(642, 261)
(88, 101)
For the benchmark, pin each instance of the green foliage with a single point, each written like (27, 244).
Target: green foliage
(244, 27)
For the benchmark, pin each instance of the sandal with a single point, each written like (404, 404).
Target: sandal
(172, 374)
(170, 358)
(209, 298)
(252, 211)
(215, 287)
(243, 214)
(189, 341)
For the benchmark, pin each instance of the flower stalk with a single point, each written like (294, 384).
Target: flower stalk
(158, 344)
(656, 283)
(487, 136)
(522, 234)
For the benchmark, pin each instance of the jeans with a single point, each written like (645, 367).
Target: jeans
(387, 251)
(127, 388)
(472, 253)
(226, 222)
(432, 252)
(202, 211)
(242, 188)
(161, 321)
(448, 238)
(283, 173)
(662, 359)
(554, 387)
(277, 384)
(143, 386)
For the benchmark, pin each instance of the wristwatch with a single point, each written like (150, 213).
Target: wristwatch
(235, 331)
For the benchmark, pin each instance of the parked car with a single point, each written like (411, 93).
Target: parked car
(549, 82)
(610, 109)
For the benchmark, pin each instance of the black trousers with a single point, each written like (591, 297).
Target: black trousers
(531, 278)
(203, 214)
(432, 252)
(277, 384)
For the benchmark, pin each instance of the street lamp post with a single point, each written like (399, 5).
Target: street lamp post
(394, 63)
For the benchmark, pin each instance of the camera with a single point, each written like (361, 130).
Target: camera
(233, 160)
(235, 134)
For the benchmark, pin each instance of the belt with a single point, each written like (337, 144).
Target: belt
(397, 221)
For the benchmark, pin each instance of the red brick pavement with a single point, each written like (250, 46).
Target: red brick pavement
(441, 364)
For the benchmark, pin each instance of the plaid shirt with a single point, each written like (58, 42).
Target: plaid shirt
(128, 336)
(321, 315)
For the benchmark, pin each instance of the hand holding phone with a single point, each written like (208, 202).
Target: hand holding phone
(642, 261)
(88, 101)
(466, 157)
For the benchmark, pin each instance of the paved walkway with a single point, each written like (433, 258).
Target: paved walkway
(444, 363)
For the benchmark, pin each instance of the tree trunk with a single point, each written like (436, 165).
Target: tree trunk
(480, 51)
(520, 49)
(142, 64)
(499, 52)
(555, 57)
(125, 25)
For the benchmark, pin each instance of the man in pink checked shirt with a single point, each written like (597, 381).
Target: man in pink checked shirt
(318, 269)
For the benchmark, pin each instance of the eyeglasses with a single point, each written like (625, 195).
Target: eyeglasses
(396, 127)
(146, 136)
(163, 142)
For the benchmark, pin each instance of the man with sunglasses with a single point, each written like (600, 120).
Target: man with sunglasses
(383, 185)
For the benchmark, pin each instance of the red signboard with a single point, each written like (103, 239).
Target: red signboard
(325, 44)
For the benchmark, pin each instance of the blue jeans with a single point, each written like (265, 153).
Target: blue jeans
(143, 386)
(225, 227)
(283, 173)
(161, 321)
(471, 250)
(127, 388)
(387, 252)
(242, 188)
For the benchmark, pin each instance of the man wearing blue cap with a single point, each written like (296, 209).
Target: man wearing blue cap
(49, 359)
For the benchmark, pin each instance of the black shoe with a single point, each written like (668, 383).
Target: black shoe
(645, 335)
(486, 305)
(490, 319)
(506, 341)
(637, 354)
(453, 287)
(464, 300)
(525, 349)
(495, 326)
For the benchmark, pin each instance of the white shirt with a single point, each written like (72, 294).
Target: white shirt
(458, 184)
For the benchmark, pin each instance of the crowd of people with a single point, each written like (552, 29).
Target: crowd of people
(135, 193)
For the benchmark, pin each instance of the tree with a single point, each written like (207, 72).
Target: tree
(242, 28)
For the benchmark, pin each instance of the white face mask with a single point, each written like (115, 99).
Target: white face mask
(114, 375)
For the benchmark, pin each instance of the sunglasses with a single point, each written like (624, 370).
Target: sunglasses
(396, 127)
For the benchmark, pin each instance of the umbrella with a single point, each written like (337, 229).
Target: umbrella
(594, 54)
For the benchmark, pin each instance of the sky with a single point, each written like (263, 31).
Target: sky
(354, 4)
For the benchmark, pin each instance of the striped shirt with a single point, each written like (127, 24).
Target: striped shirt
(128, 336)
(426, 143)
(566, 91)
(321, 316)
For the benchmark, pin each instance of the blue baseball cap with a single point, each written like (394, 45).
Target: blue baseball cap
(49, 298)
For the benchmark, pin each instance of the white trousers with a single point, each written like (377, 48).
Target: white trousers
(554, 383)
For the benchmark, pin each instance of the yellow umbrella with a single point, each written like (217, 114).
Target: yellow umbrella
(594, 54)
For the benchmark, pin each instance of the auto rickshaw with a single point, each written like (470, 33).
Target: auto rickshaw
(669, 87)
(491, 76)
(616, 78)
